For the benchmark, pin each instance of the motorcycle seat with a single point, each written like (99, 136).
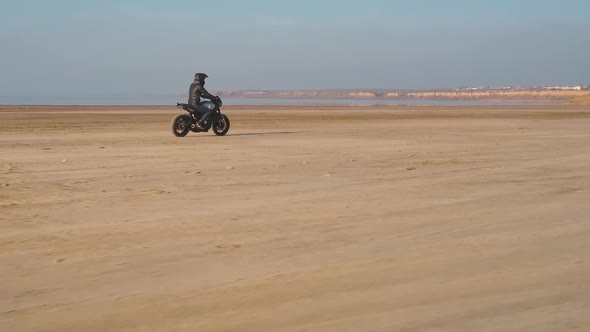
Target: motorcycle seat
(187, 107)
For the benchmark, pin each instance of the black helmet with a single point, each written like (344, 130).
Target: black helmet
(200, 77)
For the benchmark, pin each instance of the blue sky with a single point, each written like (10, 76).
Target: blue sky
(93, 48)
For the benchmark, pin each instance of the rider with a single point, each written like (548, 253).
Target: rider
(196, 91)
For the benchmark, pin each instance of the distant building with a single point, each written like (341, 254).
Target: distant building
(564, 88)
(474, 88)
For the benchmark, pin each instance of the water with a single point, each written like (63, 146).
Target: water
(171, 100)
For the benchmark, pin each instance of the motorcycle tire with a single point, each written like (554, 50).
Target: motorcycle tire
(181, 125)
(221, 125)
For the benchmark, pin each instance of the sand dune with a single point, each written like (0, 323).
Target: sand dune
(372, 219)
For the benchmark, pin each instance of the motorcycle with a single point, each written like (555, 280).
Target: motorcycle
(183, 123)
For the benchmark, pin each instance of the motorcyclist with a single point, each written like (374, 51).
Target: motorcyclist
(196, 91)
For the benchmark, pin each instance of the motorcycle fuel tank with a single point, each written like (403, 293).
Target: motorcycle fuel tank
(209, 105)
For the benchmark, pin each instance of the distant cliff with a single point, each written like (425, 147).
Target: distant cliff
(531, 95)
(473, 94)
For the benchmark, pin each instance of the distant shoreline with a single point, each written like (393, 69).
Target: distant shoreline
(282, 102)
(334, 97)
(517, 95)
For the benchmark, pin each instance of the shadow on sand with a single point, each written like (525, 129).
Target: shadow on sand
(266, 134)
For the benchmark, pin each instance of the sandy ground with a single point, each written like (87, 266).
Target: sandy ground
(301, 219)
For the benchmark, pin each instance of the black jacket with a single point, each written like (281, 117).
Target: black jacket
(196, 91)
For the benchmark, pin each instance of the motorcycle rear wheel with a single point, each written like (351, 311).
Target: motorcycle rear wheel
(181, 125)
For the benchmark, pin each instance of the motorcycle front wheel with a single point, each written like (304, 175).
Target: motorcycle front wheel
(221, 125)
